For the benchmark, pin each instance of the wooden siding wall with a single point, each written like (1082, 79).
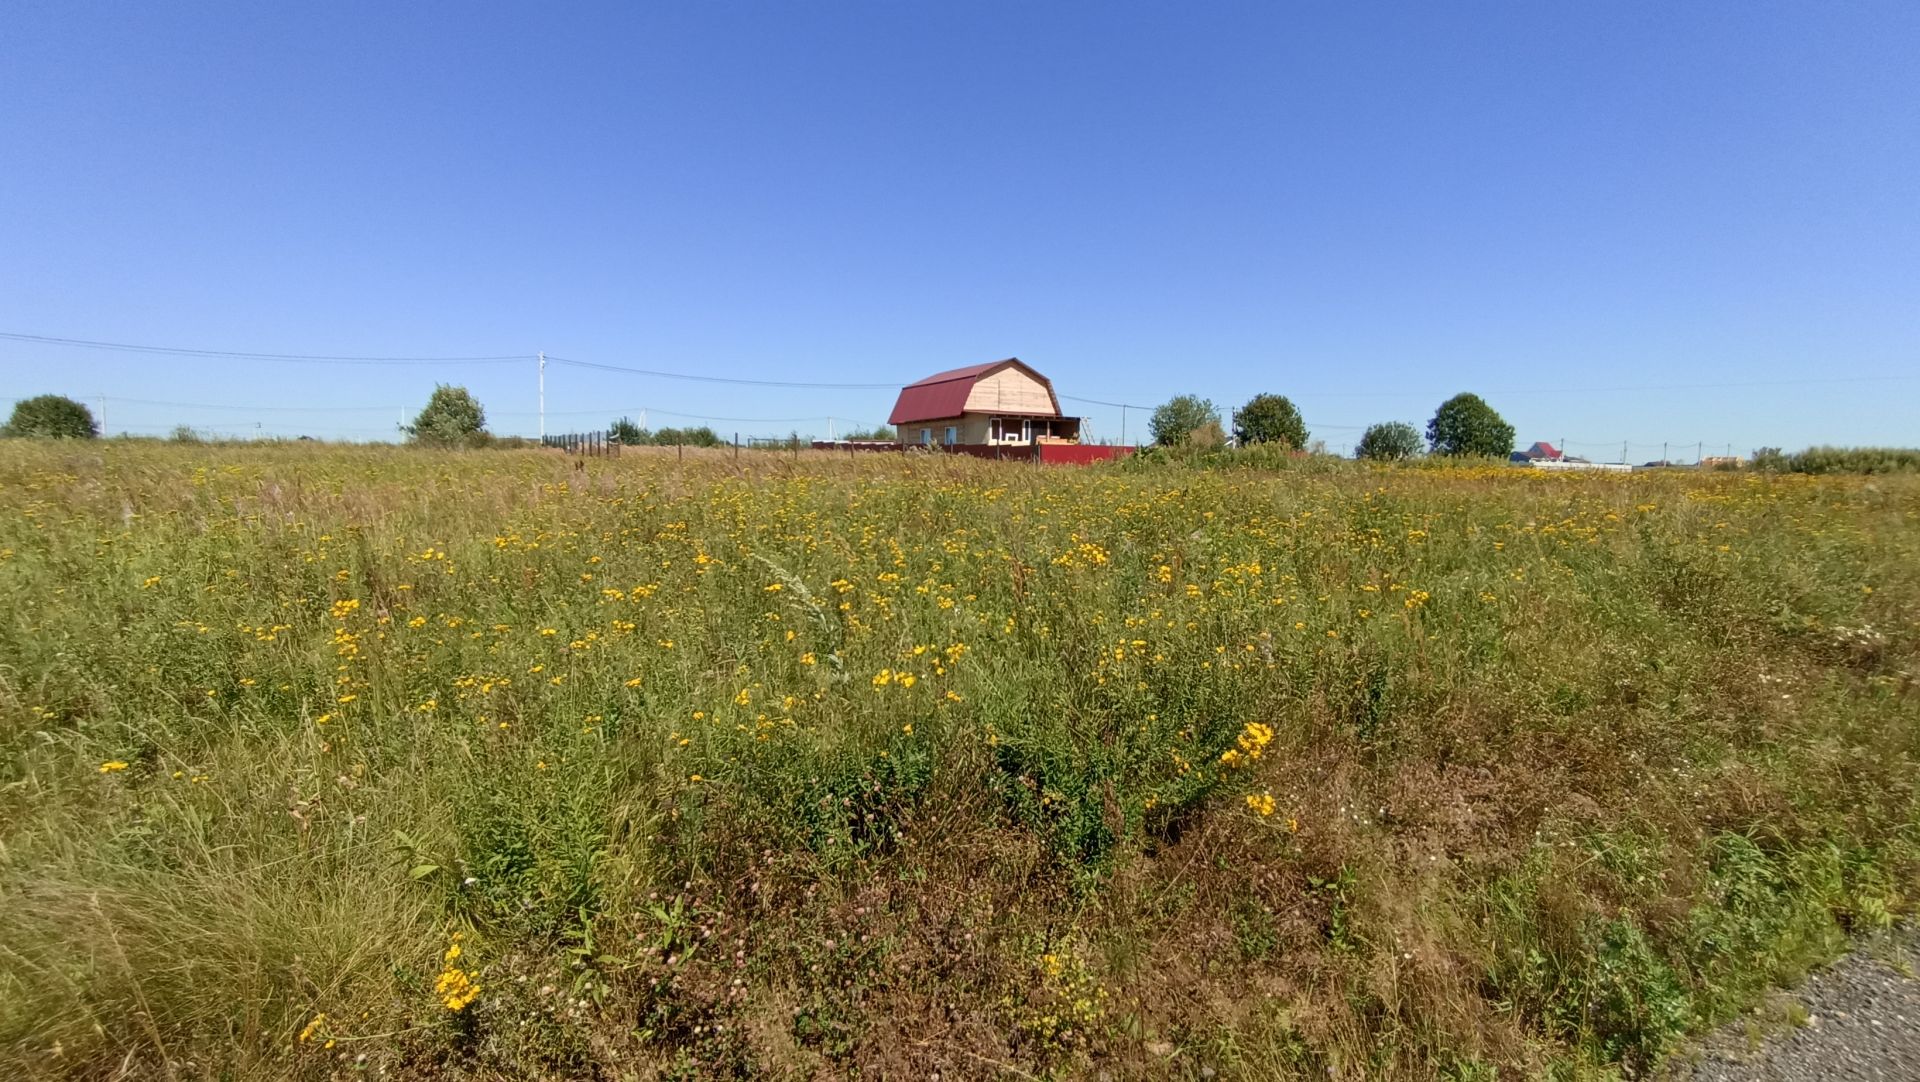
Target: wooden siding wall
(1010, 391)
(972, 429)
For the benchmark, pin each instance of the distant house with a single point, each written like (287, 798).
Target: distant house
(1539, 452)
(1005, 403)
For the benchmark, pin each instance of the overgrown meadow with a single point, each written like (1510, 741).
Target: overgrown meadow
(333, 763)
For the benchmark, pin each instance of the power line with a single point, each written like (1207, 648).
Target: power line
(720, 379)
(610, 411)
(300, 358)
(619, 410)
(249, 426)
(1097, 402)
(1606, 390)
(246, 409)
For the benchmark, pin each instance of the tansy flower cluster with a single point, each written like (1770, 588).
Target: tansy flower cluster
(1252, 742)
(455, 986)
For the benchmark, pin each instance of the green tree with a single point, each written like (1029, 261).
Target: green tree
(452, 418)
(51, 417)
(1270, 418)
(1175, 422)
(1388, 441)
(1466, 425)
(691, 437)
(624, 431)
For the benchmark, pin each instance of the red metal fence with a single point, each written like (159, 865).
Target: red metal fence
(1079, 454)
(1060, 454)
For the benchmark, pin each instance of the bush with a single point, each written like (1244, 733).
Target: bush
(452, 418)
(1175, 422)
(1839, 460)
(1388, 441)
(51, 417)
(1270, 418)
(626, 432)
(691, 437)
(1466, 425)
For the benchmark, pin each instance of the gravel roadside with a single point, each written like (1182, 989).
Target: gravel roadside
(1857, 1019)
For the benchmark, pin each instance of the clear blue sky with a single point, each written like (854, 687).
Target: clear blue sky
(1365, 207)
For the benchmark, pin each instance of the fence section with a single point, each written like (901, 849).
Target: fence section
(585, 444)
(1061, 454)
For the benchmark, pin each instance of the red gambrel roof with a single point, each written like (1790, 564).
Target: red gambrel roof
(944, 394)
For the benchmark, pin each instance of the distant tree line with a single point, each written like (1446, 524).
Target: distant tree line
(1463, 426)
(1838, 460)
(628, 434)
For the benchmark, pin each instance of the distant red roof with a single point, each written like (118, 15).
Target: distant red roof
(944, 394)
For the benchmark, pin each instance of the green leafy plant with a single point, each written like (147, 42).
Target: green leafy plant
(1174, 423)
(51, 417)
(1270, 418)
(1465, 425)
(451, 418)
(1388, 441)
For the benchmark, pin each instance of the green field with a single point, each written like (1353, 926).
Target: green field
(332, 762)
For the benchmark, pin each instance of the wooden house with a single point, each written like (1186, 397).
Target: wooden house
(1005, 403)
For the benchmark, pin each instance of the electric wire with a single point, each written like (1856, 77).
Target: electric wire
(295, 358)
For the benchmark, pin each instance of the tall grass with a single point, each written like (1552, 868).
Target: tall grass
(801, 765)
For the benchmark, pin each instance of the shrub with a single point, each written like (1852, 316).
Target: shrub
(1175, 422)
(626, 432)
(1839, 460)
(691, 437)
(1270, 418)
(1388, 441)
(452, 418)
(1466, 425)
(1207, 437)
(51, 417)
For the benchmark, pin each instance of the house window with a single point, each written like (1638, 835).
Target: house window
(926, 437)
(953, 435)
(1026, 430)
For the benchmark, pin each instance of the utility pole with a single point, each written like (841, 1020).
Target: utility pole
(543, 394)
(1623, 452)
(1699, 450)
(103, 415)
(1123, 426)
